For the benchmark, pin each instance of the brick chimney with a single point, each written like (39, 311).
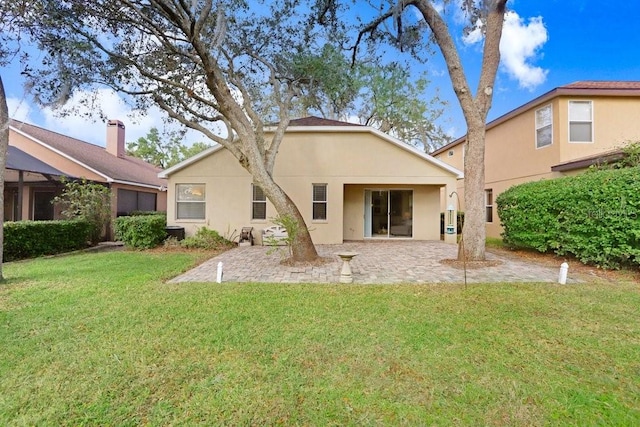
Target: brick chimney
(115, 138)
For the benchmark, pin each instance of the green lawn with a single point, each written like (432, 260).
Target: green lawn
(99, 339)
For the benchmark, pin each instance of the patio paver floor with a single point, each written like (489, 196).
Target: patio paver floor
(384, 262)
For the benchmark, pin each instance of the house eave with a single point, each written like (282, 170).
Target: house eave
(183, 164)
(60, 153)
(602, 158)
(139, 184)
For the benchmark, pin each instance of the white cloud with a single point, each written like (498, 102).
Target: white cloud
(19, 109)
(80, 118)
(520, 44)
(474, 35)
(455, 10)
(460, 14)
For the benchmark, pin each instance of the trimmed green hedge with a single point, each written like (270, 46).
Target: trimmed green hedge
(594, 216)
(141, 231)
(28, 239)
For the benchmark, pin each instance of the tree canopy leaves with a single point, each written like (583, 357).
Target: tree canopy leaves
(163, 151)
(384, 96)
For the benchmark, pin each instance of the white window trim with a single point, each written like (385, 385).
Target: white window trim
(258, 220)
(326, 202)
(204, 202)
(537, 128)
(593, 130)
(487, 205)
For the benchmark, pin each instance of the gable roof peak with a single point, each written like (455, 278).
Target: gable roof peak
(319, 121)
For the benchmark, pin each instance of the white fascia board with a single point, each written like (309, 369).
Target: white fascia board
(138, 184)
(66, 156)
(186, 162)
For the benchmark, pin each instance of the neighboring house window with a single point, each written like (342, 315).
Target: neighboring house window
(488, 197)
(580, 121)
(43, 205)
(544, 134)
(258, 204)
(190, 201)
(319, 202)
(131, 201)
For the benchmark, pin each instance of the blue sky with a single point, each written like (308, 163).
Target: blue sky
(546, 44)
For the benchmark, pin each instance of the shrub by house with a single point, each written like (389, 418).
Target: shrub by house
(594, 216)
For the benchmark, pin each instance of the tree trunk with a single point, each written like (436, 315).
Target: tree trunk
(302, 248)
(475, 111)
(4, 143)
(474, 231)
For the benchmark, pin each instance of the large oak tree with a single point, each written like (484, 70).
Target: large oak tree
(487, 15)
(206, 64)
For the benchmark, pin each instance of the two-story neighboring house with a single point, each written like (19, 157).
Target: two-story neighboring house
(559, 133)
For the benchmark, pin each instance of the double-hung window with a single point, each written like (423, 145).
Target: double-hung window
(258, 204)
(580, 121)
(488, 198)
(190, 201)
(544, 127)
(319, 202)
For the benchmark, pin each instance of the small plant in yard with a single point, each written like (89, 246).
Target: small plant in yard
(291, 225)
(171, 242)
(88, 201)
(206, 238)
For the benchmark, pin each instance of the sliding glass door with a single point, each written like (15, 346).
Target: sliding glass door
(388, 213)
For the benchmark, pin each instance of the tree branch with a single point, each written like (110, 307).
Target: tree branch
(449, 51)
(491, 56)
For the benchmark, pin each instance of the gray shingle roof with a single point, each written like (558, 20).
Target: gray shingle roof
(127, 169)
(318, 121)
(601, 84)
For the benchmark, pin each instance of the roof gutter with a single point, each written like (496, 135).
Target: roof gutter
(138, 184)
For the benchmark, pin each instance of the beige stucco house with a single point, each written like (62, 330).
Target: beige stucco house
(37, 159)
(561, 132)
(350, 182)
